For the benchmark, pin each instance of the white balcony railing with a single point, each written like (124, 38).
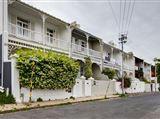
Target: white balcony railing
(128, 67)
(94, 53)
(112, 64)
(25, 33)
(33, 36)
(79, 51)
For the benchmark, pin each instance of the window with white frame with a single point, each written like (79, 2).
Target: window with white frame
(82, 44)
(23, 27)
(50, 35)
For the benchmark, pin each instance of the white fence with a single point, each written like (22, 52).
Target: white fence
(137, 87)
(103, 87)
(82, 88)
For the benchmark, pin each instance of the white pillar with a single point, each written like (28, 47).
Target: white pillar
(5, 30)
(43, 27)
(15, 80)
(101, 45)
(70, 40)
(87, 36)
(112, 58)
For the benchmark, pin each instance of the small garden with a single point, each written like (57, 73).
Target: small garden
(6, 99)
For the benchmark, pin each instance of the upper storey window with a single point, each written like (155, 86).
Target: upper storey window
(50, 35)
(23, 27)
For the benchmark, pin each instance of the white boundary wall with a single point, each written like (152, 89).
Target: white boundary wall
(136, 87)
(99, 87)
(45, 94)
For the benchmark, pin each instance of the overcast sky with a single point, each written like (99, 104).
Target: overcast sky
(97, 18)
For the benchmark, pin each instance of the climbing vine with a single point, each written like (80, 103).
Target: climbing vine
(47, 70)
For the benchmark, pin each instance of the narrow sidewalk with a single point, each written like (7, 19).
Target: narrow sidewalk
(25, 106)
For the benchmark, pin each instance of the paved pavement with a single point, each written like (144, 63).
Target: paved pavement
(140, 107)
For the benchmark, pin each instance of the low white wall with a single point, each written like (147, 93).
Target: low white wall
(99, 87)
(155, 87)
(45, 94)
(82, 87)
(78, 90)
(136, 87)
(147, 87)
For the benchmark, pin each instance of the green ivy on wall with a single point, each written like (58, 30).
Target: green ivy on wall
(50, 70)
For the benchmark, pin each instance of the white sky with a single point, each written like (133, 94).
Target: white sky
(96, 17)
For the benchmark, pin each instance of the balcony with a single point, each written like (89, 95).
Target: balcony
(80, 52)
(31, 37)
(112, 63)
(128, 67)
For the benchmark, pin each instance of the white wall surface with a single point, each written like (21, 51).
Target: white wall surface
(136, 87)
(99, 87)
(78, 88)
(147, 87)
(15, 82)
(88, 84)
(45, 94)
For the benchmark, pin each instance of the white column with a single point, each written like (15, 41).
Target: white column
(101, 45)
(15, 80)
(87, 36)
(112, 57)
(5, 30)
(70, 40)
(43, 28)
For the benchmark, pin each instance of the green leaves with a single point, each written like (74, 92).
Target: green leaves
(51, 70)
(158, 72)
(88, 68)
(109, 72)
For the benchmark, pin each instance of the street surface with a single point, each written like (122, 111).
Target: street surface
(140, 107)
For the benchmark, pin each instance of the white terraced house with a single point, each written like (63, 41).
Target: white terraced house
(25, 26)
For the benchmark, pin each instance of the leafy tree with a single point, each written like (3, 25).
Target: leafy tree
(88, 68)
(110, 73)
(158, 72)
(127, 81)
(157, 61)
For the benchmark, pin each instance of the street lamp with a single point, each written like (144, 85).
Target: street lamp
(123, 40)
(33, 60)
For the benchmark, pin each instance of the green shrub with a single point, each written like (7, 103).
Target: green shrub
(4, 99)
(158, 72)
(127, 82)
(109, 72)
(73, 98)
(123, 95)
(39, 99)
(145, 80)
(88, 68)
(50, 70)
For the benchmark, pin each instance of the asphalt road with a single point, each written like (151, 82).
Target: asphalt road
(140, 107)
